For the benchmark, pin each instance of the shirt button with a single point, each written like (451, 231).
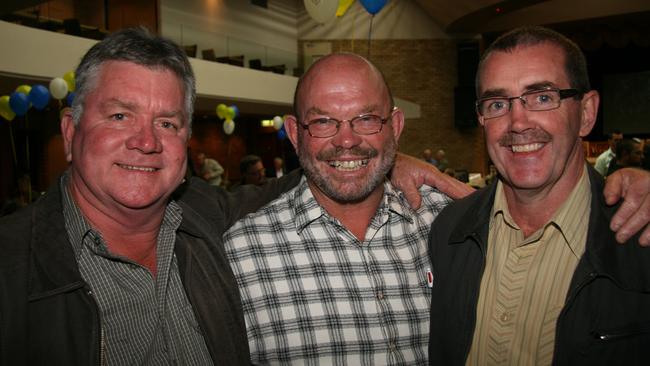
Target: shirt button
(380, 295)
(505, 317)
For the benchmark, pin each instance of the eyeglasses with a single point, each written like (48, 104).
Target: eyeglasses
(365, 124)
(533, 100)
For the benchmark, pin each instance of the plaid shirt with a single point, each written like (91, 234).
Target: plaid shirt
(314, 294)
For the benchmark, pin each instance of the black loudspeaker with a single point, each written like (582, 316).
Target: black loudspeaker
(467, 57)
(464, 107)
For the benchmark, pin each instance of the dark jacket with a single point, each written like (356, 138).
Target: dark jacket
(605, 319)
(48, 314)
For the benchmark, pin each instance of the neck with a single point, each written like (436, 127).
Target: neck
(531, 209)
(355, 216)
(131, 233)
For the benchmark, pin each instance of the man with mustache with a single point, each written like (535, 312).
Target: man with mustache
(527, 270)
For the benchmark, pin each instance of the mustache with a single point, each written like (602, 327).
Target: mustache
(332, 154)
(526, 137)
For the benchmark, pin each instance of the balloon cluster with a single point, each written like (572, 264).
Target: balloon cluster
(37, 96)
(323, 11)
(228, 114)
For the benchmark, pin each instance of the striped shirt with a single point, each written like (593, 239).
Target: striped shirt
(144, 320)
(315, 295)
(526, 281)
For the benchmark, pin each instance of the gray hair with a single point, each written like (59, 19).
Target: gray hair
(139, 46)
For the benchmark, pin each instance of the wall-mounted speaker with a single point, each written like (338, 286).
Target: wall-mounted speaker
(464, 108)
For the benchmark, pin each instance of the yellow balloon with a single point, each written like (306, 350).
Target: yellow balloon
(344, 5)
(70, 80)
(221, 111)
(230, 113)
(25, 89)
(5, 109)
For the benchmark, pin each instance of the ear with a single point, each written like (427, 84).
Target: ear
(589, 105)
(292, 128)
(67, 130)
(397, 123)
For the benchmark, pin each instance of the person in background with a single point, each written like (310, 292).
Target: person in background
(210, 169)
(629, 153)
(427, 156)
(441, 160)
(277, 170)
(603, 160)
(252, 170)
(527, 270)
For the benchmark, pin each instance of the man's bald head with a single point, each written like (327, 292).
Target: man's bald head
(335, 63)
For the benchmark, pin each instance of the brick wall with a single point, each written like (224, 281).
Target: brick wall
(424, 72)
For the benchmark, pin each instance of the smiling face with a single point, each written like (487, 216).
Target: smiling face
(346, 167)
(535, 151)
(128, 151)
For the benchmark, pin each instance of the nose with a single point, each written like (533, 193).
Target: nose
(518, 115)
(145, 139)
(345, 137)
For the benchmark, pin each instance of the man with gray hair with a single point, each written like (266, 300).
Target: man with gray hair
(107, 267)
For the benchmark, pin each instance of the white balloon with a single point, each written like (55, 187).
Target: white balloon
(228, 126)
(322, 11)
(58, 88)
(277, 122)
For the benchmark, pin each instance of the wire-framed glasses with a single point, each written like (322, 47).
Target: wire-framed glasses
(533, 100)
(365, 124)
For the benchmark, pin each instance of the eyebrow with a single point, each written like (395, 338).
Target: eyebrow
(371, 108)
(500, 92)
(134, 107)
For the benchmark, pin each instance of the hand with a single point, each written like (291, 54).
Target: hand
(410, 173)
(634, 214)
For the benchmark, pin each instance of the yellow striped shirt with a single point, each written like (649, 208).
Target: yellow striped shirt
(526, 281)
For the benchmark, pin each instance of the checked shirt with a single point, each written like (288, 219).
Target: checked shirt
(315, 295)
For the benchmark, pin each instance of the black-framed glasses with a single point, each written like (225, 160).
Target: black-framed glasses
(532, 100)
(365, 124)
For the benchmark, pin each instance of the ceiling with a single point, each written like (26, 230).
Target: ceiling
(485, 16)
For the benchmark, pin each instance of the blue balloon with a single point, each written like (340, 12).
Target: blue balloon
(19, 103)
(373, 6)
(282, 134)
(39, 96)
(70, 98)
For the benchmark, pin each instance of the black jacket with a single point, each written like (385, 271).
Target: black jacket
(48, 314)
(605, 319)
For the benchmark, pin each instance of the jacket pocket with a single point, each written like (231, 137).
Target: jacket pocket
(614, 334)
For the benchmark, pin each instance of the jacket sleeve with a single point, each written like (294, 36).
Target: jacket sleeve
(249, 198)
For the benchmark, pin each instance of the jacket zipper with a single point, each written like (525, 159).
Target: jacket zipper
(102, 337)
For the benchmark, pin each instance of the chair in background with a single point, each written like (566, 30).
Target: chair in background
(255, 64)
(190, 50)
(209, 54)
(72, 27)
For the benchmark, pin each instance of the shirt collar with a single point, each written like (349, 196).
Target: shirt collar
(577, 205)
(307, 210)
(78, 227)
